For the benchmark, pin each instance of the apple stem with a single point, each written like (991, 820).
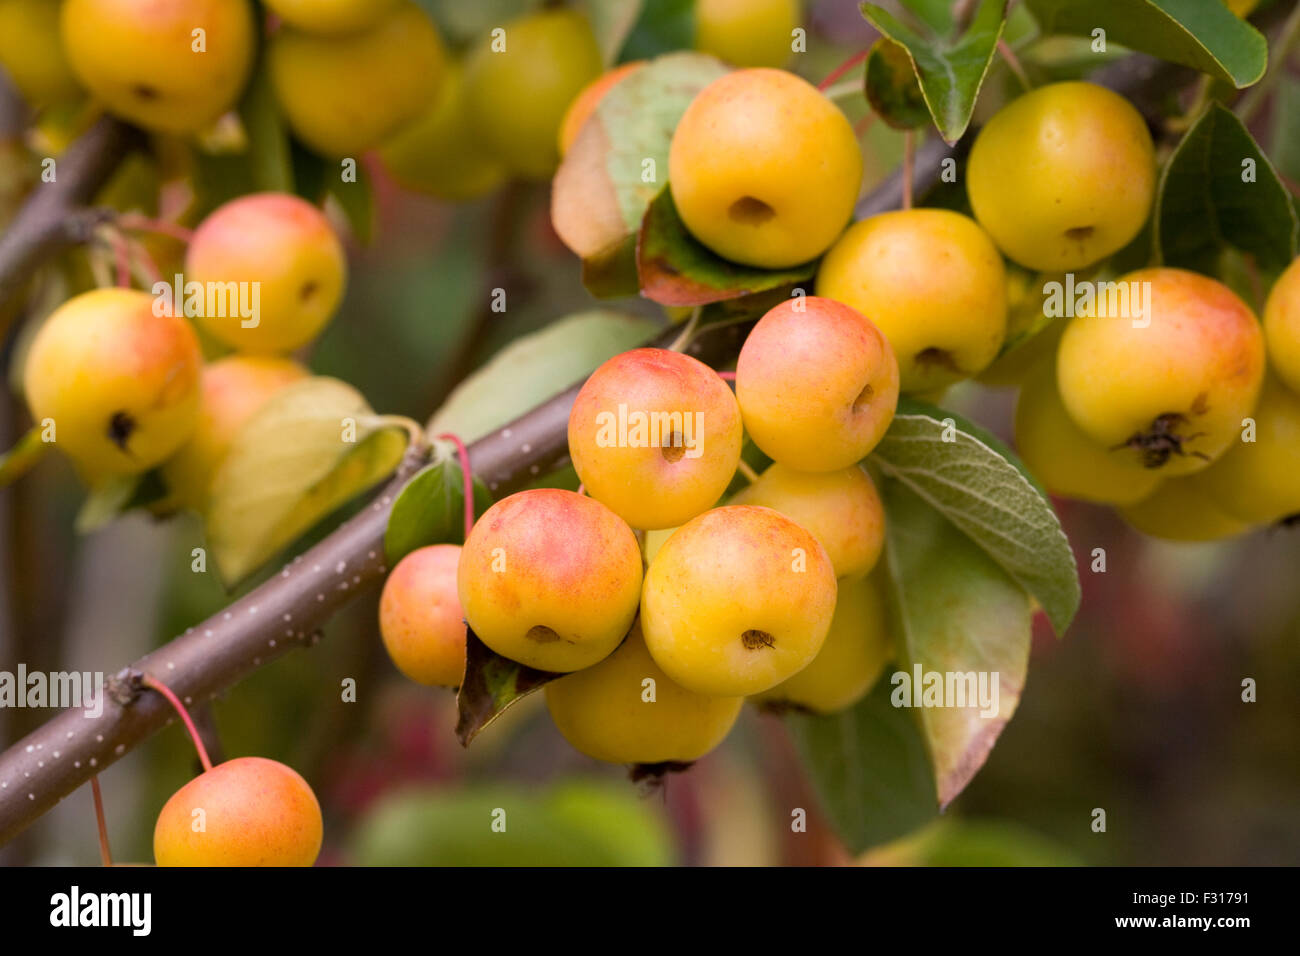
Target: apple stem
(747, 470)
(909, 163)
(840, 70)
(154, 683)
(137, 223)
(1013, 62)
(463, 454)
(727, 376)
(121, 257)
(105, 854)
(582, 489)
(682, 341)
(147, 266)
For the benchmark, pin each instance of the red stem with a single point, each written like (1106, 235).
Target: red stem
(843, 68)
(137, 223)
(727, 376)
(909, 162)
(105, 854)
(146, 261)
(463, 454)
(154, 683)
(122, 258)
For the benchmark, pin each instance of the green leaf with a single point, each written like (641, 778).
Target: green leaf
(533, 368)
(675, 269)
(1285, 134)
(431, 510)
(357, 202)
(956, 613)
(1202, 34)
(892, 88)
(950, 67)
(870, 769)
(290, 466)
(1203, 205)
(664, 26)
(977, 484)
(492, 684)
(268, 137)
(612, 22)
(950, 842)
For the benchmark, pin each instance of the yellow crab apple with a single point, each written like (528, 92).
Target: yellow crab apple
(747, 32)
(1282, 327)
(331, 16)
(1182, 509)
(1258, 481)
(420, 618)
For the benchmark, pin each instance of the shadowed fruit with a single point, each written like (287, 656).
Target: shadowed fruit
(420, 619)
(1282, 327)
(1258, 482)
(655, 436)
(933, 282)
(585, 103)
(167, 65)
(841, 508)
(331, 16)
(550, 579)
(736, 601)
(764, 169)
(1063, 177)
(120, 383)
(747, 32)
(610, 713)
(1181, 509)
(31, 52)
(288, 254)
(1171, 387)
(249, 811)
(817, 384)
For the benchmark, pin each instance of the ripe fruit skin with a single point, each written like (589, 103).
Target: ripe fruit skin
(287, 246)
(1066, 460)
(31, 53)
(841, 508)
(602, 712)
(1259, 482)
(120, 383)
(736, 601)
(420, 618)
(932, 281)
(764, 169)
(421, 158)
(817, 384)
(256, 812)
(138, 57)
(1184, 382)
(232, 389)
(1282, 327)
(550, 579)
(331, 16)
(518, 97)
(344, 94)
(746, 32)
(1063, 177)
(850, 662)
(1181, 509)
(585, 103)
(695, 451)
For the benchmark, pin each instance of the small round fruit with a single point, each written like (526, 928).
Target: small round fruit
(344, 94)
(610, 713)
(285, 251)
(841, 508)
(439, 153)
(764, 169)
(1063, 177)
(1258, 482)
(119, 381)
(585, 103)
(331, 16)
(1067, 461)
(249, 811)
(736, 601)
(420, 619)
(817, 384)
(1282, 327)
(655, 436)
(232, 389)
(933, 282)
(851, 660)
(31, 52)
(1171, 386)
(518, 94)
(167, 65)
(550, 579)
(1181, 509)
(747, 32)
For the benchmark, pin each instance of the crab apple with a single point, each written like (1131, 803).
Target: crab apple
(550, 579)
(1171, 382)
(737, 600)
(249, 811)
(1258, 481)
(231, 390)
(585, 103)
(1282, 327)
(764, 169)
(119, 380)
(627, 710)
(344, 94)
(1063, 177)
(1182, 509)
(746, 32)
(287, 253)
(817, 384)
(421, 158)
(31, 52)
(1067, 461)
(331, 16)
(933, 282)
(841, 508)
(420, 619)
(521, 81)
(655, 436)
(167, 65)
(851, 660)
